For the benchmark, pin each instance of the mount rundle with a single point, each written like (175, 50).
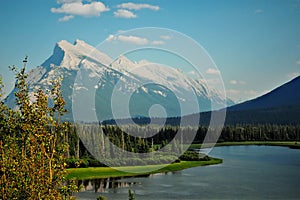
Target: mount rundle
(95, 83)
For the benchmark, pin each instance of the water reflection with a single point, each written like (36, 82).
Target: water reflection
(103, 184)
(248, 172)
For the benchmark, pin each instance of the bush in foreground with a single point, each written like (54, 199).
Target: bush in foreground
(32, 145)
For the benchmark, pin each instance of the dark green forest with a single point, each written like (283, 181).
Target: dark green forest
(146, 141)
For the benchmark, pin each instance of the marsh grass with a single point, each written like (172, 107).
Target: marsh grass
(106, 172)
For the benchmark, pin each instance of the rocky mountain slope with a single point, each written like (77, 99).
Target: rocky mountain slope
(92, 82)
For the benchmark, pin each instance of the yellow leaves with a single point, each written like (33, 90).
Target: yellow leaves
(31, 144)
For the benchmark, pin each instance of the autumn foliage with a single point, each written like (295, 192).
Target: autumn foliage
(32, 144)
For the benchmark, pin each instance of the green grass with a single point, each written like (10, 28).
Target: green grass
(290, 144)
(106, 172)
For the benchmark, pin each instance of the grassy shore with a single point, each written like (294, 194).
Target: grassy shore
(290, 144)
(106, 172)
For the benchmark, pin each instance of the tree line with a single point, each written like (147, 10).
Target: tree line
(147, 139)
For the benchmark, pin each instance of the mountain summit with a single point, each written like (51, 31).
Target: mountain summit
(93, 78)
(69, 55)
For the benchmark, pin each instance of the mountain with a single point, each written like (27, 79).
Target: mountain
(286, 95)
(279, 106)
(92, 81)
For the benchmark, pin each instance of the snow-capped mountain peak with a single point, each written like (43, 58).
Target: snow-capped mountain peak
(64, 45)
(69, 55)
(168, 86)
(122, 63)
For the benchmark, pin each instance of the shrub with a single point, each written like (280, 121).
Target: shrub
(193, 156)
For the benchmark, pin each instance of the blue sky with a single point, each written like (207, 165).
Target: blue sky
(254, 43)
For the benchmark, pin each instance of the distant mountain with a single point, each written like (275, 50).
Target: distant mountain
(91, 78)
(287, 95)
(280, 106)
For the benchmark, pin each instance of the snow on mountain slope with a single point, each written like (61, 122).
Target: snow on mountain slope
(147, 82)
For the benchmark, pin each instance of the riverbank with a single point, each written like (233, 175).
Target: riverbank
(247, 172)
(290, 144)
(106, 172)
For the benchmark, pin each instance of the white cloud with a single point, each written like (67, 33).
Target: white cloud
(298, 62)
(134, 6)
(66, 18)
(165, 37)
(70, 7)
(67, 1)
(110, 38)
(128, 39)
(212, 71)
(157, 42)
(250, 92)
(120, 31)
(233, 92)
(241, 95)
(233, 82)
(293, 75)
(133, 39)
(121, 13)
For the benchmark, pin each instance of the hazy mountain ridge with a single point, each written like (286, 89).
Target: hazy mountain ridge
(279, 106)
(287, 94)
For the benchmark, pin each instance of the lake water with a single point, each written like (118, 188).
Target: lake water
(247, 172)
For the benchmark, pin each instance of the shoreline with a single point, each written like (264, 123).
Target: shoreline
(108, 172)
(290, 144)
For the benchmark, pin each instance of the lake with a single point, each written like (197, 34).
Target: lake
(247, 172)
